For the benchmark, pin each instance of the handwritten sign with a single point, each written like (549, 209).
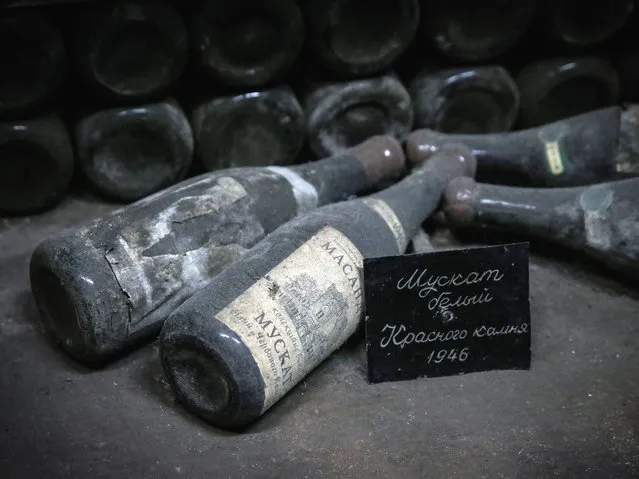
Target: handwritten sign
(448, 312)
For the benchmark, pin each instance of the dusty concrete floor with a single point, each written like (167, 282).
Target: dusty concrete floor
(575, 414)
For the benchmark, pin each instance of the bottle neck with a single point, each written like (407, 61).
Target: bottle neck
(543, 213)
(417, 196)
(562, 153)
(334, 178)
(497, 152)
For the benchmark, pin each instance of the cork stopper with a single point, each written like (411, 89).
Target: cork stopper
(381, 156)
(459, 201)
(422, 144)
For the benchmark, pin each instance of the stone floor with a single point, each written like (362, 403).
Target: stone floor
(574, 414)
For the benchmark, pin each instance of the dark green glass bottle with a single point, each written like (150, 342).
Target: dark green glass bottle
(343, 114)
(131, 50)
(483, 99)
(32, 61)
(36, 164)
(130, 152)
(247, 43)
(250, 129)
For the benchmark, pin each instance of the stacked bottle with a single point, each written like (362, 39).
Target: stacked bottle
(35, 149)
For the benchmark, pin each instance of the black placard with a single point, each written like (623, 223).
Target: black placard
(448, 312)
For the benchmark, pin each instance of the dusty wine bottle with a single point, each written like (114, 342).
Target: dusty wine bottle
(601, 220)
(247, 42)
(131, 49)
(251, 129)
(482, 99)
(127, 153)
(560, 88)
(36, 164)
(33, 61)
(589, 148)
(340, 115)
(360, 37)
(106, 286)
(244, 340)
(578, 23)
(470, 31)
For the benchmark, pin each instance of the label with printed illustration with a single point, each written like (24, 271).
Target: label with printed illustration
(300, 311)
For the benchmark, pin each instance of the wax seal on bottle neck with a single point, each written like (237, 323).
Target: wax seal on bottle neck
(450, 161)
(422, 144)
(458, 200)
(381, 156)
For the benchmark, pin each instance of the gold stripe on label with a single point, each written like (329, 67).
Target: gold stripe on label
(390, 218)
(553, 156)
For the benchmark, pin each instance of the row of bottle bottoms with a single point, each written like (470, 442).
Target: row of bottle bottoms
(127, 153)
(252, 276)
(134, 50)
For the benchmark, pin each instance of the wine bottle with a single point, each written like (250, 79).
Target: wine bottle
(560, 88)
(482, 99)
(127, 153)
(37, 164)
(240, 343)
(251, 129)
(104, 287)
(247, 43)
(33, 61)
(360, 37)
(470, 31)
(340, 115)
(581, 24)
(131, 50)
(589, 148)
(601, 220)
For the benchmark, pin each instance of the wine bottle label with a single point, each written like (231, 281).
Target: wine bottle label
(160, 263)
(305, 193)
(551, 136)
(595, 203)
(388, 215)
(300, 311)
